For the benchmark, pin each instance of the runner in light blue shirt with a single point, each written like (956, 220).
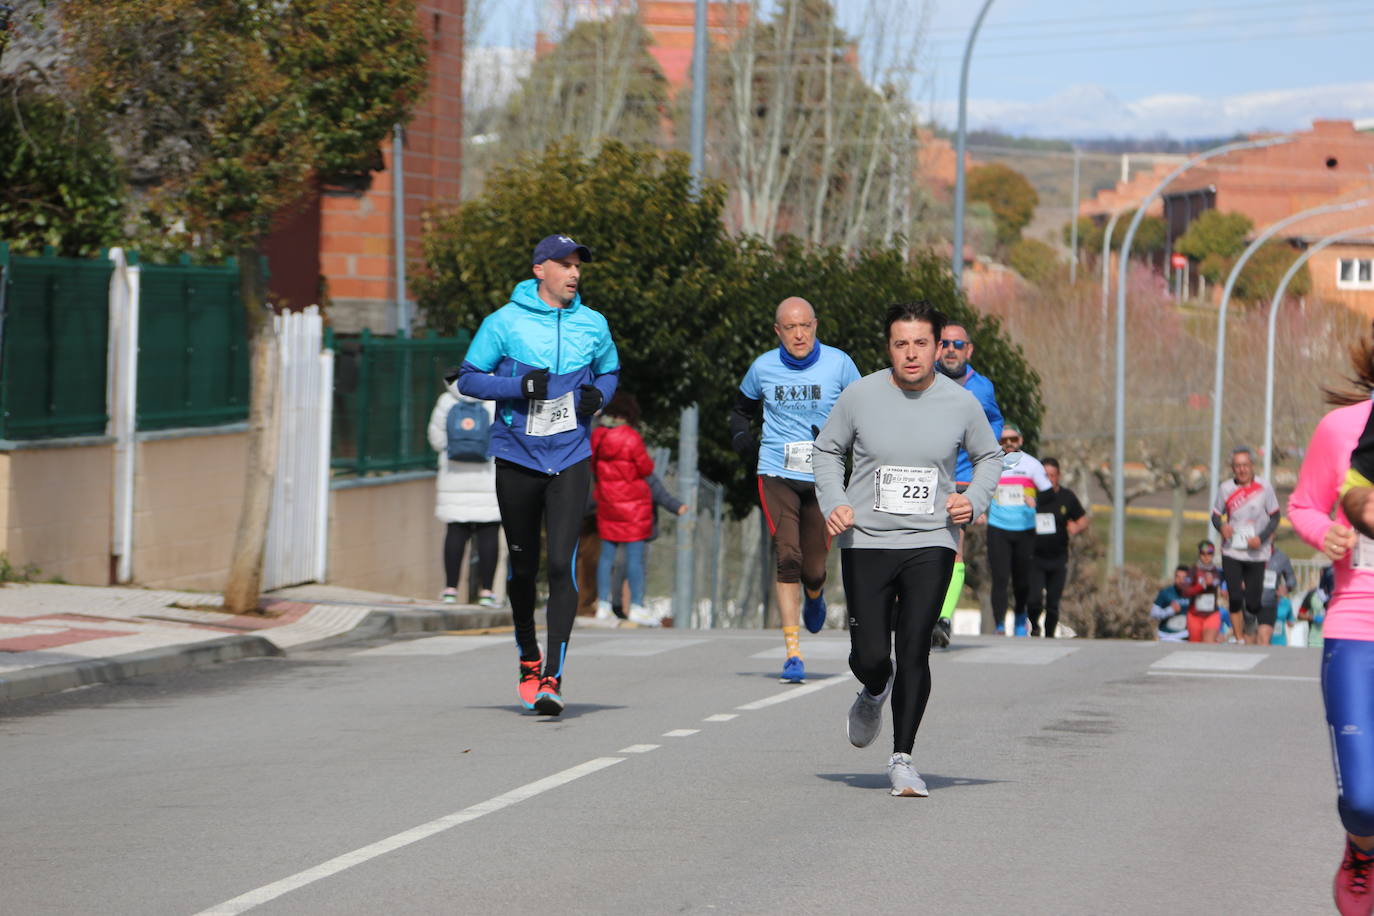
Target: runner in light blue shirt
(795, 385)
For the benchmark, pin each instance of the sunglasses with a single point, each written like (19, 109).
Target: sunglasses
(1010, 440)
(956, 344)
(1206, 553)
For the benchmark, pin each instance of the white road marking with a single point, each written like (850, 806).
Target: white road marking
(1250, 677)
(436, 645)
(1019, 654)
(639, 748)
(1210, 661)
(635, 647)
(721, 717)
(793, 693)
(245, 902)
(681, 733)
(811, 648)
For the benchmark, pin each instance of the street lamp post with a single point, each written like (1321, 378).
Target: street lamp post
(1073, 222)
(1107, 277)
(957, 255)
(1269, 351)
(1118, 550)
(1218, 381)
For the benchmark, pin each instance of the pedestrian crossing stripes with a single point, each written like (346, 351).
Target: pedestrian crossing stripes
(1209, 661)
(811, 649)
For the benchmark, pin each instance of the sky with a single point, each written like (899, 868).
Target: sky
(1122, 68)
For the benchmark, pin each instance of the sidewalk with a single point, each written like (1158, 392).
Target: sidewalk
(56, 637)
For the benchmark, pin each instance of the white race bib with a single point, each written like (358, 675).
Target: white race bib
(1362, 557)
(796, 456)
(1240, 537)
(1011, 495)
(1205, 603)
(1271, 579)
(548, 418)
(905, 491)
(1044, 523)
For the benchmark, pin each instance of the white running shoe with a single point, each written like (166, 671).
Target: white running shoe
(866, 716)
(603, 611)
(906, 782)
(640, 614)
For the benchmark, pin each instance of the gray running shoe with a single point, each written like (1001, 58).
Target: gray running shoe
(866, 716)
(939, 637)
(906, 782)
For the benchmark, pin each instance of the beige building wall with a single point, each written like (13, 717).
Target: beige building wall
(1323, 267)
(188, 492)
(384, 538)
(55, 511)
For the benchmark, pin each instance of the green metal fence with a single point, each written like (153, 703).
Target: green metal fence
(384, 392)
(193, 346)
(54, 318)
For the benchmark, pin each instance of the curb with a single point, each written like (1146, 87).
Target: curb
(45, 679)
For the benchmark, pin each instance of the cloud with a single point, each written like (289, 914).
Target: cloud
(1087, 111)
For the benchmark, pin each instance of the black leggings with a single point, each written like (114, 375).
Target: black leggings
(895, 590)
(1245, 588)
(456, 541)
(1009, 556)
(1047, 574)
(530, 502)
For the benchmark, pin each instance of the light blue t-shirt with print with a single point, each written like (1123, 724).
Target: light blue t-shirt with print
(794, 400)
(1022, 477)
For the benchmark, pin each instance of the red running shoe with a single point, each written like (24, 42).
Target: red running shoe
(548, 702)
(1354, 896)
(529, 682)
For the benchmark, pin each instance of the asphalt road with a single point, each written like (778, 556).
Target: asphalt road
(402, 777)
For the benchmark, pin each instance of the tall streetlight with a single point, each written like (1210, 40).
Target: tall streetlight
(1107, 275)
(957, 255)
(1073, 221)
(684, 570)
(1118, 550)
(1218, 381)
(1269, 352)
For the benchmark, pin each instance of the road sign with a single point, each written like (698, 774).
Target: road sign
(1178, 261)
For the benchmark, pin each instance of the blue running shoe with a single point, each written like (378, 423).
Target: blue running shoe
(813, 611)
(1022, 624)
(793, 671)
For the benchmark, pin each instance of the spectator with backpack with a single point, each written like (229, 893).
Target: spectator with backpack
(465, 490)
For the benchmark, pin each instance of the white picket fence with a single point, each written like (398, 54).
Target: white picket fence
(298, 532)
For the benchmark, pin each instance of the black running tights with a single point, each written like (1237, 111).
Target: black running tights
(484, 540)
(895, 590)
(1009, 556)
(530, 503)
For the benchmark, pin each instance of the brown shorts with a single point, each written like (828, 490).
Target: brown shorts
(799, 536)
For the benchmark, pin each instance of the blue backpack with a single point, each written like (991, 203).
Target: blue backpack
(469, 431)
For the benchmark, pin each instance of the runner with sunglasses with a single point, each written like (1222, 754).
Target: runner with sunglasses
(1011, 529)
(953, 361)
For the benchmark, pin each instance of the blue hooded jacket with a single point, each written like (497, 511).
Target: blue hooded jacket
(573, 343)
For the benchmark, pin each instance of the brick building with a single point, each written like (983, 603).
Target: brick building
(340, 247)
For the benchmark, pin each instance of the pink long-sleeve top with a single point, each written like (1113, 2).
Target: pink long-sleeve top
(1350, 613)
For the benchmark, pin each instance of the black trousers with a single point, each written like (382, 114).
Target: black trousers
(1245, 588)
(483, 536)
(1047, 576)
(1009, 556)
(894, 599)
(532, 503)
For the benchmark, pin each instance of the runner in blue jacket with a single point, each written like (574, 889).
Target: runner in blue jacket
(549, 363)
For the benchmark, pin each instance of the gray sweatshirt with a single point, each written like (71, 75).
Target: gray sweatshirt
(906, 434)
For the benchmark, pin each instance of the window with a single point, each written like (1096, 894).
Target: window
(1355, 273)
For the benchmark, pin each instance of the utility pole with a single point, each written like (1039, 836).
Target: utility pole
(957, 254)
(1073, 220)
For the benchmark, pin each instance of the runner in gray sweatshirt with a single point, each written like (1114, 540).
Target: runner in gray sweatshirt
(898, 518)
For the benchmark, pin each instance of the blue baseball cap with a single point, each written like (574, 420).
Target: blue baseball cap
(559, 246)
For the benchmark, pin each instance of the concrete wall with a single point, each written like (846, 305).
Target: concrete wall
(188, 493)
(55, 511)
(384, 537)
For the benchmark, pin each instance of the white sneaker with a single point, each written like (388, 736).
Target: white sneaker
(906, 782)
(603, 611)
(640, 614)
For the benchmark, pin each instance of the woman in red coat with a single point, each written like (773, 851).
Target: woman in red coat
(624, 505)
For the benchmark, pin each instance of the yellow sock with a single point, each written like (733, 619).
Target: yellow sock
(789, 636)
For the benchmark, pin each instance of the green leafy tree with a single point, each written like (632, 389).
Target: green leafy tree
(1012, 198)
(1260, 276)
(689, 306)
(60, 183)
(231, 110)
(1151, 237)
(1035, 260)
(1213, 239)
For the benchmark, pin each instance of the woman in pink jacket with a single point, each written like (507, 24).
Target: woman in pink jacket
(1348, 650)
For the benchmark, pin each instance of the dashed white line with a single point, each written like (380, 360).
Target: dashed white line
(639, 749)
(794, 692)
(721, 717)
(268, 892)
(681, 733)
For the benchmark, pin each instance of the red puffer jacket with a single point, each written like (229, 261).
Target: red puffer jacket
(624, 506)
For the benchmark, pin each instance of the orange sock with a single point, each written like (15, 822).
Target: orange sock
(789, 636)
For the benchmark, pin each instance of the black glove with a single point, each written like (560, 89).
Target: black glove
(589, 401)
(535, 385)
(451, 374)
